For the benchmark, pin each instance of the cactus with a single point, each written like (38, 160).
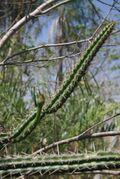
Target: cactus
(65, 91)
(79, 71)
(56, 164)
(32, 125)
(27, 126)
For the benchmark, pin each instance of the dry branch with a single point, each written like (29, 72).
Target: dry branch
(42, 9)
(85, 135)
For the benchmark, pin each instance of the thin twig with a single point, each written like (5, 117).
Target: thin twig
(85, 135)
(102, 172)
(94, 8)
(44, 46)
(54, 6)
(40, 60)
(59, 44)
(115, 8)
(38, 11)
(104, 19)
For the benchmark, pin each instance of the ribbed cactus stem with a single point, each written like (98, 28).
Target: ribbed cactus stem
(33, 124)
(79, 70)
(64, 92)
(57, 164)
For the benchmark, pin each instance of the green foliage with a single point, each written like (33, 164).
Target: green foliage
(12, 103)
(114, 57)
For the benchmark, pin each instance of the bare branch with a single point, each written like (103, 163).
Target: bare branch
(95, 9)
(59, 44)
(44, 46)
(115, 8)
(85, 135)
(54, 6)
(39, 11)
(105, 18)
(40, 60)
(101, 172)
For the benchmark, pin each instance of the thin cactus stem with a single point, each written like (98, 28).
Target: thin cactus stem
(29, 128)
(25, 129)
(19, 130)
(79, 70)
(33, 123)
(23, 126)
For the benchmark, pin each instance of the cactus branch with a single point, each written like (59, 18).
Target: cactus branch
(65, 91)
(55, 164)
